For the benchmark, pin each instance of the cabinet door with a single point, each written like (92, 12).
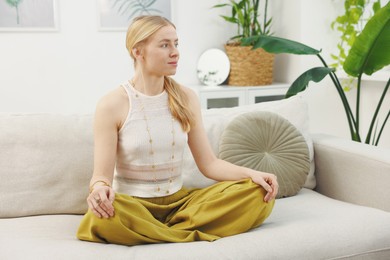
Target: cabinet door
(220, 99)
(266, 94)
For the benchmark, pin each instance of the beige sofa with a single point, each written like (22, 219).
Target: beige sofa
(342, 212)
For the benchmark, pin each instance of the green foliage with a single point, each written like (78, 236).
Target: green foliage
(15, 4)
(350, 24)
(302, 82)
(278, 45)
(133, 8)
(245, 14)
(369, 53)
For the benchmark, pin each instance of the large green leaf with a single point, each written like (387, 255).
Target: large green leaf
(371, 49)
(276, 45)
(301, 83)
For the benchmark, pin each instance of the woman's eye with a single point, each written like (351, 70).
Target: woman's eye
(165, 45)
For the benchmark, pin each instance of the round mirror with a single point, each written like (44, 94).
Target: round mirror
(213, 67)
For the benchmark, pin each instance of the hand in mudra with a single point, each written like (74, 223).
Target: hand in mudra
(100, 201)
(269, 182)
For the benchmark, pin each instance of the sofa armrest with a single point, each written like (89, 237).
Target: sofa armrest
(352, 172)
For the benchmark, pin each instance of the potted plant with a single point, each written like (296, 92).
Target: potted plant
(369, 53)
(248, 67)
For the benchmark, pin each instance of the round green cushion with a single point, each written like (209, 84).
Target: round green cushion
(265, 141)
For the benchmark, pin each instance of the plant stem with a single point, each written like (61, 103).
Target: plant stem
(342, 93)
(358, 101)
(383, 126)
(351, 120)
(255, 14)
(265, 16)
(17, 14)
(376, 114)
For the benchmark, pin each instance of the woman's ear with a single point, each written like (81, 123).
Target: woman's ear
(136, 53)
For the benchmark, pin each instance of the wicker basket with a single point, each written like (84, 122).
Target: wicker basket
(249, 67)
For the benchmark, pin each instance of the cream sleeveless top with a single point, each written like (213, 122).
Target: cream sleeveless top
(134, 174)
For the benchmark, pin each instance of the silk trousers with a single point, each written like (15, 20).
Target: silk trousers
(223, 209)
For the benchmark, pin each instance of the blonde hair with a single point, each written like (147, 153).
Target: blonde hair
(138, 32)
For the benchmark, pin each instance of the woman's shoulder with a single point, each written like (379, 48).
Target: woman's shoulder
(190, 93)
(114, 102)
(192, 96)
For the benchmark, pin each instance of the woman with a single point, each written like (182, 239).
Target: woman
(141, 128)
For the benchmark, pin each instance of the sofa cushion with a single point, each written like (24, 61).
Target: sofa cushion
(305, 226)
(294, 109)
(46, 163)
(265, 141)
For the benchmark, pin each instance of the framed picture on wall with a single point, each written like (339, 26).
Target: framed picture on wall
(116, 15)
(28, 15)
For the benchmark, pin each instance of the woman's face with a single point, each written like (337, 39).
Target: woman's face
(160, 53)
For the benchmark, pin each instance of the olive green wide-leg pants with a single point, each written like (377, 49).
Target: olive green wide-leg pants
(223, 209)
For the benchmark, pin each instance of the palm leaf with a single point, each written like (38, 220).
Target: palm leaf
(371, 49)
(277, 45)
(301, 83)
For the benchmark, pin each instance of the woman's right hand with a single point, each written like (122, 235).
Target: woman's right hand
(100, 201)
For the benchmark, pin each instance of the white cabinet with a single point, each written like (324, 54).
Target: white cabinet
(231, 96)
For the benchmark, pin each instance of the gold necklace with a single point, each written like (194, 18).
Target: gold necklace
(151, 150)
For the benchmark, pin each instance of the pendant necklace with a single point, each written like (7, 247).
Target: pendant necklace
(151, 141)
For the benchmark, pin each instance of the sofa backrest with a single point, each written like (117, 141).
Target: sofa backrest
(45, 164)
(46, 160)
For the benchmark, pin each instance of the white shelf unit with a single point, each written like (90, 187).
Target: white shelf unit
(231, 96)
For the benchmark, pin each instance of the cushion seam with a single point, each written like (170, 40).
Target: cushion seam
(386, 249)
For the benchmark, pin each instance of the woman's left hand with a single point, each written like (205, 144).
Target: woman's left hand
(269, 182)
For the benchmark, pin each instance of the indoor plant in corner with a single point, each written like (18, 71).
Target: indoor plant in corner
(369, 53)
(248, 67)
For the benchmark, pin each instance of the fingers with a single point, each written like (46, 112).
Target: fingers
(111, 197)
(100, 202)
(106, 204)
(271, 186)
(92, 208)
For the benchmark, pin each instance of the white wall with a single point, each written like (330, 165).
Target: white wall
(69, 70)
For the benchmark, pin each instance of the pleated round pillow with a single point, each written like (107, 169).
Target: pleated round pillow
(265, 141)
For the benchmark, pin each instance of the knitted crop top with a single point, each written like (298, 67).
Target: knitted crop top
(134, 174)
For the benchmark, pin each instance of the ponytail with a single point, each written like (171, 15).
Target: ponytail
(177, 101)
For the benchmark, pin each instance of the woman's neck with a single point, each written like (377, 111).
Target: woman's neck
(148, 86)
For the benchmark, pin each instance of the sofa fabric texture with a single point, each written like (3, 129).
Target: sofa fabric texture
(305, 226)
(46, 162)
(265, 141)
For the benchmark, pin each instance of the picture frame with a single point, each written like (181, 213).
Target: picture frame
(116, 15)
(29, 16)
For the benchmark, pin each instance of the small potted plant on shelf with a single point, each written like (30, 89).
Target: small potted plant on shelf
(248, 66)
